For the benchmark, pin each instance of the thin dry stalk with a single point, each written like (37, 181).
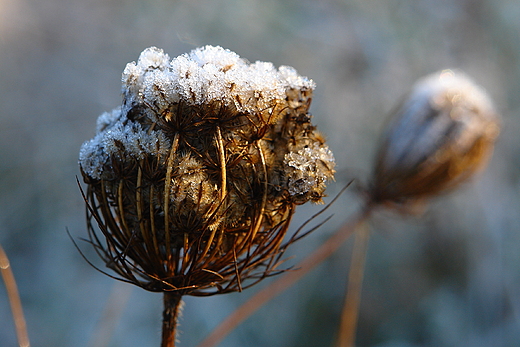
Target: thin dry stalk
(172, 306)
(286, 280)
(14, 300)
(349, 316)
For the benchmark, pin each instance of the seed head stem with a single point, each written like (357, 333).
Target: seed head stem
(172, 306)
(264, 194)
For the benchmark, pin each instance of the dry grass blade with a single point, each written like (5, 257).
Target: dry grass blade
(14, 300)
(349, 316)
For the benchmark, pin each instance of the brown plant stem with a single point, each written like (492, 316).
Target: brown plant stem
(349, 316)
(286, 280)
(14, 300)
(172, 304)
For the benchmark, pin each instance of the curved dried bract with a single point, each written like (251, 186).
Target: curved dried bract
(439, 136)
(193, 181)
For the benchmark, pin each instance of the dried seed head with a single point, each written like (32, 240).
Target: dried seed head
(194, 179)
(439, 136)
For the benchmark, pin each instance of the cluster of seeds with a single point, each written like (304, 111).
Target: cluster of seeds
(194, 179)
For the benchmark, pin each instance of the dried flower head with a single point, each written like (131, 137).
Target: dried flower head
(194, 179)
(438, 137)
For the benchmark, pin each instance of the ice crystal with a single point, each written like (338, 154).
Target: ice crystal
(206, 75)
(120, 138)
(189, 180)
(308, 168)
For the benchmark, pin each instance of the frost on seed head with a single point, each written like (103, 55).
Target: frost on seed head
(444, 107)
(308, 168)
(205, 75)
(440, 135)
(191, 183)
(120, 138)
(108, 119)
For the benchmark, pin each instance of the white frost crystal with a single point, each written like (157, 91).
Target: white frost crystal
(121, 138)
(308, 168)
(205, 75)
(463, 112)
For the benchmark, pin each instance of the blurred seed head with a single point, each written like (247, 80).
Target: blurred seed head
(192, 182)
(439, 136)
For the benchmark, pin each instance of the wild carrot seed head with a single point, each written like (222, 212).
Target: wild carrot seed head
(194, 179)
(439, 136)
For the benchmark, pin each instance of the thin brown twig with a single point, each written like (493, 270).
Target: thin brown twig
(14, 300)
(286, 280)
(349, 316)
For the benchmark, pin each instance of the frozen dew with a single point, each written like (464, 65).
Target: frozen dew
(108, 119)
(440, 135)
(217, 56)
(132, 140)
(308, 168)
(190, 177)
(205, 75)
(295, 81)
(462, 108)
(122, 140)
(153, 58)
(92, 158)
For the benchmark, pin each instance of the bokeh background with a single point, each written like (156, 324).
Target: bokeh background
(450, 277)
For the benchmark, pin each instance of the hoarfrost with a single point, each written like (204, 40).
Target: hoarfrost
(132, 140)
(92, 158)
(108, 119)
(205, 75)
(443, 106)
(120, 138)
(308, 168)
(190, 181)
(295, 81)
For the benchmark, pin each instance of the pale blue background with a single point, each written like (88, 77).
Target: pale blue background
(450, 278)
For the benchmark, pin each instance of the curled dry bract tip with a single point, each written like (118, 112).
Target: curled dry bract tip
(192, 182)
(439, 136)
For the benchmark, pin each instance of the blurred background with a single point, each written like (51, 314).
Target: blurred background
(450, 277)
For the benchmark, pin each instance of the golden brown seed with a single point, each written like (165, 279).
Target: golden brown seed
(439, 136)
